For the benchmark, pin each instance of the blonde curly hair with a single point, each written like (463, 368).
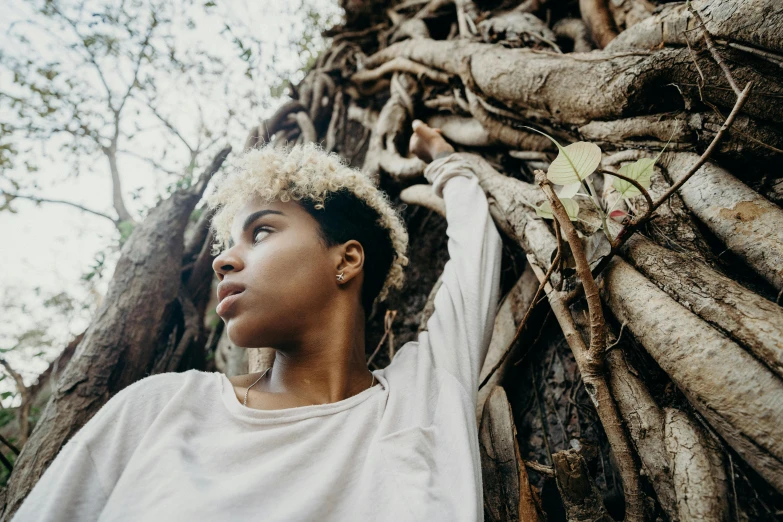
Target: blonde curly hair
(296, 172)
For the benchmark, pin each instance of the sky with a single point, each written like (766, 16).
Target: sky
(47, 248)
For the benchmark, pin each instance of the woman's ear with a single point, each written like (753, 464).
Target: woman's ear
(352, 260)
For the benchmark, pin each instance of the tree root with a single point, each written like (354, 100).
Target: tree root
(399, 65)
(264, 132)
(575, 30)
(698, 468)
(737, 395)
(743, 315)
(392, 124)
(323, 94)
(656, 126)
(464, 131)
(750, 225)
(645, 423)
(581, 498)
(754, 23)
(627, 13)
(306, 126)
(336, 122)
(511, 204)
(507, 492)
(579, 88)
(598, 20)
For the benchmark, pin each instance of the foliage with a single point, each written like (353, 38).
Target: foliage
(98, 86)
(574, 165)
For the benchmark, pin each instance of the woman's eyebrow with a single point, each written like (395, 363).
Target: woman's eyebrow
(255, 215)
(251, 218)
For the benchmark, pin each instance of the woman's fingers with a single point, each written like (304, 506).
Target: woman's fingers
(426, 141)
(424, 130)
(419, 147)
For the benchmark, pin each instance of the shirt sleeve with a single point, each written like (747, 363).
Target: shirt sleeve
(70, 489)
(460, 329)
(79, 481)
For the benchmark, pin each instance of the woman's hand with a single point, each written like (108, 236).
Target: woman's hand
(426, 142)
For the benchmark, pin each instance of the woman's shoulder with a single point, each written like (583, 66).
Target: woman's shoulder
(161, 384)
(168, 380)
(137, 405)
(151, 392)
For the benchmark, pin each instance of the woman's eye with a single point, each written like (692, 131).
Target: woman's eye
(257, 231)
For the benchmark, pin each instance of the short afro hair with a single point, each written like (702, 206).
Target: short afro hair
(344, 201)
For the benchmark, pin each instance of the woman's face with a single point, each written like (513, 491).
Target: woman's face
(285, 274)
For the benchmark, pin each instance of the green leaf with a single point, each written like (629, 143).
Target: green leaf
(569, 191)
(574, 162)
(571, 206)
(640, 170)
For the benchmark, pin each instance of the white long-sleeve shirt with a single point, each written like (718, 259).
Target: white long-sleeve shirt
(182, 447)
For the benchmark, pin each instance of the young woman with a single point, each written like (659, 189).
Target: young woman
(308, 245)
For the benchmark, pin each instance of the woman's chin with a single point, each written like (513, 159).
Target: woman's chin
(238, 334)
(235, 332)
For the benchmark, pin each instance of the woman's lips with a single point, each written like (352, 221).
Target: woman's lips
(225, 305)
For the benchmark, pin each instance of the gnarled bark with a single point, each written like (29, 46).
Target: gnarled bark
(644, 420)
(754, 23)
(738, 395)
(698, 468)
(750, 225)
(507, 492)
(581, 497)
(576, 89)
(746, 317)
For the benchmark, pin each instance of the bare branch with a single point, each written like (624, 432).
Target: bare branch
(137, 66)
(8, 444)
(23, 413)
(37, 199)
(148, 160)
(91, 56)
(714, 52)
(743, 97)
(168, 125)
(598, 391)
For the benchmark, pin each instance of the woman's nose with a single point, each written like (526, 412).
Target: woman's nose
(226, 262)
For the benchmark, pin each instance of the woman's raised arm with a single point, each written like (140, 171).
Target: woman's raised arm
(459, 330)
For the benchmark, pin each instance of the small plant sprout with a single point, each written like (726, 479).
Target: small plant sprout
(641, 170)
(571, 206)
(572, 168)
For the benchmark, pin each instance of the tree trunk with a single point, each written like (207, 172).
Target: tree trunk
(146, 323)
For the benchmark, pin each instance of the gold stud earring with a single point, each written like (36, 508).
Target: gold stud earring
(340, 276)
